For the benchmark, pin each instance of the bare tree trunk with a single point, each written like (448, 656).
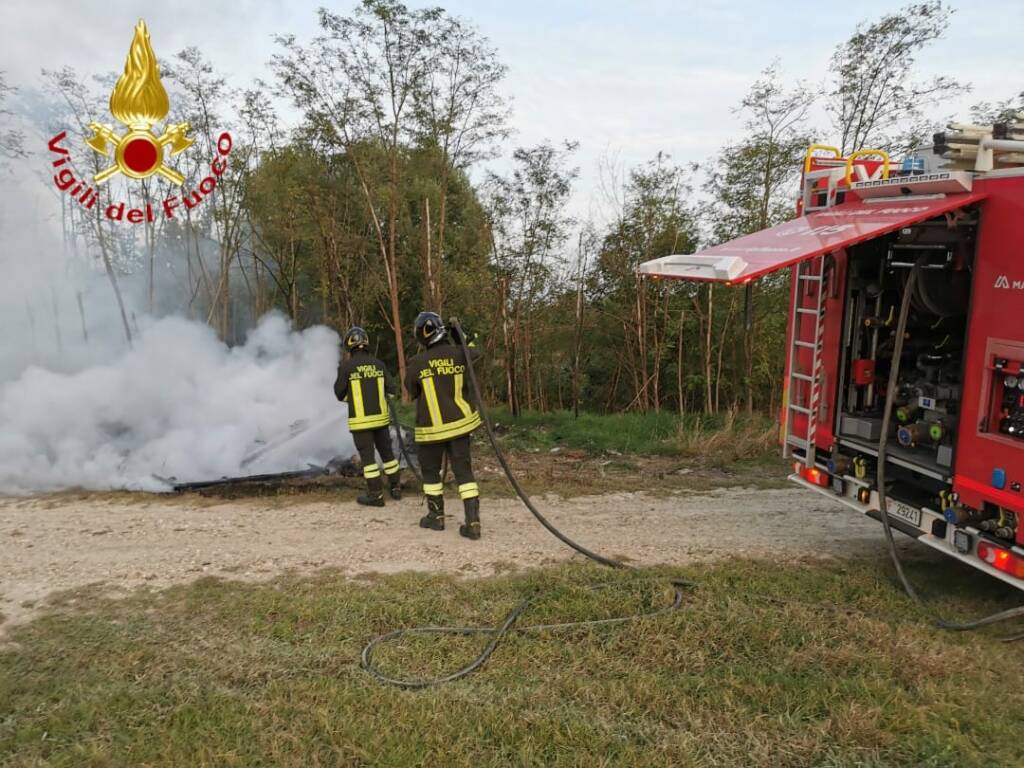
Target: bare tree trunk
(294, 298)
(225, 287)
(520, 363)
(441, 223)
(721, 348)
(387, 251)
(708, 403)
(615, 384)
(642, 396)
(56, 321)
(258, 298)
(112, 277)
(81, 314)
(431, 299)
(748, 344)
(659, 347)
(679, 363)
(339, 288)
(631, 359)
(510, 352)
(526, 347)
(150, 251)
(578, 339)
(189, 276)
(396, 315)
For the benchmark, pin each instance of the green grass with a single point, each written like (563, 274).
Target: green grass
(228, 674)
(637, 433)
(642, 434)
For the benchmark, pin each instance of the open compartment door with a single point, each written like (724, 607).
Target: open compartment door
(751, 256)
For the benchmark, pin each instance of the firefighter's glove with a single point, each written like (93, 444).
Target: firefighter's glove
(459, 334)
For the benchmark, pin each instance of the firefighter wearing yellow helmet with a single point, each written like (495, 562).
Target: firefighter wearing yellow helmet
(438, 381)
(361, 383)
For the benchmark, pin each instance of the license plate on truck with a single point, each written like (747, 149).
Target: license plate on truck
(905, 512)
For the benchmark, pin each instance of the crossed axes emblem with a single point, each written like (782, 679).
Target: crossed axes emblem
(145, 150)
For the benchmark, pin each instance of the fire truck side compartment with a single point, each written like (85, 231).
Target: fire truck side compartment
(960, 411)
(989, 463)
(929, 386)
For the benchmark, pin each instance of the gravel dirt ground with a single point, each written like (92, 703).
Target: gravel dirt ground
(55, 543)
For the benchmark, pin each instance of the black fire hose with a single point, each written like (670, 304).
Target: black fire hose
(401, 441)
(509, 623)
(611, 563)
(404, 450)
(883, 507)
(498, 634)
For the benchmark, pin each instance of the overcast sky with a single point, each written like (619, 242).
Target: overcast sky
(625, 78)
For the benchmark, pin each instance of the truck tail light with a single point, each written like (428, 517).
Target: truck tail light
(1001, 559)
(812, 475)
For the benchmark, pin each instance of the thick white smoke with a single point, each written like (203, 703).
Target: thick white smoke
(79, 408)
(179, 404)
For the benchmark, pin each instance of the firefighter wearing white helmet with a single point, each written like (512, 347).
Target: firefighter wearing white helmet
(361, 383)
(438, 381)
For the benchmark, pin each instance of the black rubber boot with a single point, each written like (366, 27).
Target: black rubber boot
(395, 485)
(471, 528)
(434, 519)
(374, 496)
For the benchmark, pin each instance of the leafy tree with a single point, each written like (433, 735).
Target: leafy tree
(367, 210)
(459, 110)
(655, 220)
(314, 240)
(117, 245)
(987, 113)
(284, 223)
(355, 83)
(876, 100)
(753, 185)
(529, 226)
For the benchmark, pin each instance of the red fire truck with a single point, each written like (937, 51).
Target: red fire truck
(954, 458)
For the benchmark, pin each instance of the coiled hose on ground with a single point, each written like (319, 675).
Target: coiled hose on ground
(509, 623)
(679, 586)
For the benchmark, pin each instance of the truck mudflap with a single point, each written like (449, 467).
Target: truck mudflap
(921, 523)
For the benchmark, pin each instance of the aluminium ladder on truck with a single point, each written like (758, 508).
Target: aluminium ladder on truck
(804, 386)
(822, 181)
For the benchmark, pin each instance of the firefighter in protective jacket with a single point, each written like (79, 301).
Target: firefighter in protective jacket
(438, 381)
(361, 383)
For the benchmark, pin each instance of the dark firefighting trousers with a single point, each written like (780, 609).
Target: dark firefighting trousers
(432, 454)
(368, 439)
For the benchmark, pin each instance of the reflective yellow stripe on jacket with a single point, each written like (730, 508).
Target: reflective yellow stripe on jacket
(437, 378)
(440, 430)
(460, 401)
(448, 431)
(358, 420)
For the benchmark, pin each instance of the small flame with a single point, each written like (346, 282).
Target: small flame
(139, 98)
